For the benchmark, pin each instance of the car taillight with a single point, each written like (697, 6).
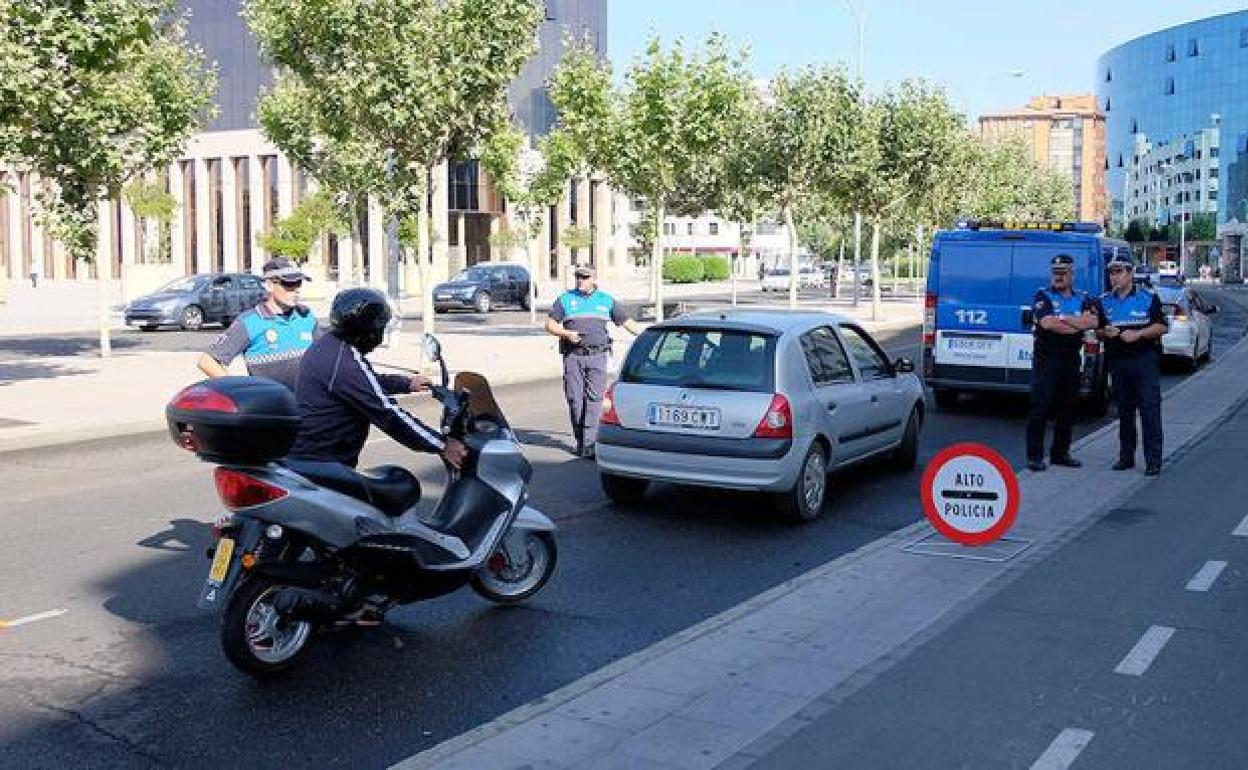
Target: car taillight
(238, 490)
(1092, 347)
(929, 320)
(778, 421)
(201, 398)
(609, 415)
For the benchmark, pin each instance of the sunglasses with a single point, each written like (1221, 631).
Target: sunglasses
(291, 285)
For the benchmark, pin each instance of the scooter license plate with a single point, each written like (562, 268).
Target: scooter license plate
(221, 561)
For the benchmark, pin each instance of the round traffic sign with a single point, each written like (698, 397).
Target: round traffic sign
(970, 494)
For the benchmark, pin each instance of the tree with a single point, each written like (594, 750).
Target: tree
(407, 84)
(912, 137)
(670, 121)
(1004, 183)
(152, 205)
(295, 235)
(813, 130)
(94, 94)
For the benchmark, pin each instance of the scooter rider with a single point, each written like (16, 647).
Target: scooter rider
(339, 394)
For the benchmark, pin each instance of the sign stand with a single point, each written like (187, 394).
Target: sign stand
(971, 498)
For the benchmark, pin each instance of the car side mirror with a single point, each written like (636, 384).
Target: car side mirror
(433, 348)
(1029, 318)
(904, 366)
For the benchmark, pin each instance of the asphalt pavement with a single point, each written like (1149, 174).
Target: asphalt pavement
(132, 675)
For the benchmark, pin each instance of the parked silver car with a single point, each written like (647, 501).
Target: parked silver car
(763, 401)
(1190, 336)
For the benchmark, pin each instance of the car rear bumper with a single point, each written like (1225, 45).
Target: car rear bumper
(1179, 342)
(769, 465)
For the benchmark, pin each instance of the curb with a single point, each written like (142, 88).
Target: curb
(446, 750)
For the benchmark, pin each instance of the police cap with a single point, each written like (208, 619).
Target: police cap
(1120, 260)
(1062, 263)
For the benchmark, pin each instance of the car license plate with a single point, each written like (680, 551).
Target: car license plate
(443, 296)
(221, 561)
(671, 416)
(972, 345)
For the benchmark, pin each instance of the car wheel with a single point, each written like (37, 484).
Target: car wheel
(1208, 351)
(147, 328)
(946, 399)
(906, 455)
(482, 302)
(193, 318)
(440, 311)
(804, 502)
(623, 490)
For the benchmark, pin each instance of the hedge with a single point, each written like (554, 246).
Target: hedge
(683, 268)
(715, 268)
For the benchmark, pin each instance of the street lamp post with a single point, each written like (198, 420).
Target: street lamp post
(858, 9)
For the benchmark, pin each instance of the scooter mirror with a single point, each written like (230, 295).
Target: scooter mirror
(433, 348)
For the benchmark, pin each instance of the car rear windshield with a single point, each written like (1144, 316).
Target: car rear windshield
(703, 358)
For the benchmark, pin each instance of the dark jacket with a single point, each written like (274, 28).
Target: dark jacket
(340, 395)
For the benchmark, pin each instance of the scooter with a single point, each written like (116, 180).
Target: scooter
(310, 546)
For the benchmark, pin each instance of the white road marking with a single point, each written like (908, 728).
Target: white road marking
(1204, 579)
(1242, 529)
(32, 618)
(1064, 750)
(1145, 651)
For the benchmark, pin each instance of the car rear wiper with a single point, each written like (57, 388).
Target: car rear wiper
(704, 385)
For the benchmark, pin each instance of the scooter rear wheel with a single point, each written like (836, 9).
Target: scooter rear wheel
(255, 638)
(518, 569)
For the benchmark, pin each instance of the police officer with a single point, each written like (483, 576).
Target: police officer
(1062, 315)
(1132, 323)
(579, 319)
(272, 336)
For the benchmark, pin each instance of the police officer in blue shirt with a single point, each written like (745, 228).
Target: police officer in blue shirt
(1132, 323)
(272, 336)
(1062, 316)
(579, 319)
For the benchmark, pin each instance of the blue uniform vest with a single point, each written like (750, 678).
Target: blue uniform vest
(1131, 311)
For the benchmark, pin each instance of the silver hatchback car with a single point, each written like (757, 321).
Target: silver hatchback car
(763, 401)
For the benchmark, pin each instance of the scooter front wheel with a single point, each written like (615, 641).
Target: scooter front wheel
(518, 569)
(255, 637)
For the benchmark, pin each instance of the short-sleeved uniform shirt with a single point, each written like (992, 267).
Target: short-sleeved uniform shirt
(1051, 303)
(1139, 309)
(588, 315)
(271, 344)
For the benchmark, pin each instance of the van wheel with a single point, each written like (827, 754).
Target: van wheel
(804, 502)
(906, 455)
(946, 399)
(623, 490)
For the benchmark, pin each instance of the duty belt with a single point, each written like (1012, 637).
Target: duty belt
(589, 350)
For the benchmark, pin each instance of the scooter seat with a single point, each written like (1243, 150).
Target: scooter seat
(388, 488)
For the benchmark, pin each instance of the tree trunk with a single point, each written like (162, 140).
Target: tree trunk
(840, 269)
(106, 341)
(656, 265)
(875, 269)
(357, 249)
(788, 223)
(857, 254)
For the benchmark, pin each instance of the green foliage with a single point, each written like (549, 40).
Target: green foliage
(509, 238)
(148, 200)
(1203, 227)
(93, 94)
(295, 236)
(574, 237)
(715, 267)
(684, 268)
(1001, 182)
(1138, 231)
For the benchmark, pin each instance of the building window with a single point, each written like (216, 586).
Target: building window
(1170, 53)
(1213, 173)
(1198, 173)
(1107, 104)
(1213, 195)
(1109, 74)
(669, 228)
(1213, 152)
(689, 229)
(1193, 47)
(1169, 90)
(713, 228)
(1135, 129)
(1243, 38)
(1199, 153)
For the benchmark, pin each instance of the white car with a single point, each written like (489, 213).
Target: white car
(1168, 269)
(776, 279)
(810, 277)
(1190, 337)
(757, 401)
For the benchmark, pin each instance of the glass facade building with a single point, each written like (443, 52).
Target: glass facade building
(1176, 107)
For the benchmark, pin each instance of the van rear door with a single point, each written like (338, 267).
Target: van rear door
(1030, 266)
(973, 310)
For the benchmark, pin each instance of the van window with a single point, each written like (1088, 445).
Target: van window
(977, 273)
(1031, 269)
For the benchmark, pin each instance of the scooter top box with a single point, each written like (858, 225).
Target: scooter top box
(234, 420)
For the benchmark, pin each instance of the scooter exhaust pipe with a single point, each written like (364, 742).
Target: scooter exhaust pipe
(310, 604)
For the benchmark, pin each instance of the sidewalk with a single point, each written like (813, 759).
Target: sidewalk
(717, 693)
(48, 400)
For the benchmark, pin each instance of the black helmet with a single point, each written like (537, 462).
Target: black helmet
(359, 317)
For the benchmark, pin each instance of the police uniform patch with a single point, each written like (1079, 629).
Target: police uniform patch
(305, 336)
(270, 336)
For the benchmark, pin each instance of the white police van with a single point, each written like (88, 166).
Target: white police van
(977, 326)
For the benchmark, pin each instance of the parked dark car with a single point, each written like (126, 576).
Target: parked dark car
(481, 287)
(196, 300)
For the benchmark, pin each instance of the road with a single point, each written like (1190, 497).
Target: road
(132, 675)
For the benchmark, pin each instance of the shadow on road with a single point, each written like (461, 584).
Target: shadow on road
(11, 373)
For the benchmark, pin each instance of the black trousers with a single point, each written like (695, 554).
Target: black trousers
(1137, 388)
(584, 383)
(1054, 394)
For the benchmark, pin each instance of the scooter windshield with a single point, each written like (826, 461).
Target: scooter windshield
(481, 402)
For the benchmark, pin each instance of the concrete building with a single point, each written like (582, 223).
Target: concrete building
(1067, 134)
(231, 185)
(710, 233)
(1173, 181)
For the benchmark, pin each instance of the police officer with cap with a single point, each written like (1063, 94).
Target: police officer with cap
(1062, 316)
(579, 319)
(1132, 325)
(272, 336)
